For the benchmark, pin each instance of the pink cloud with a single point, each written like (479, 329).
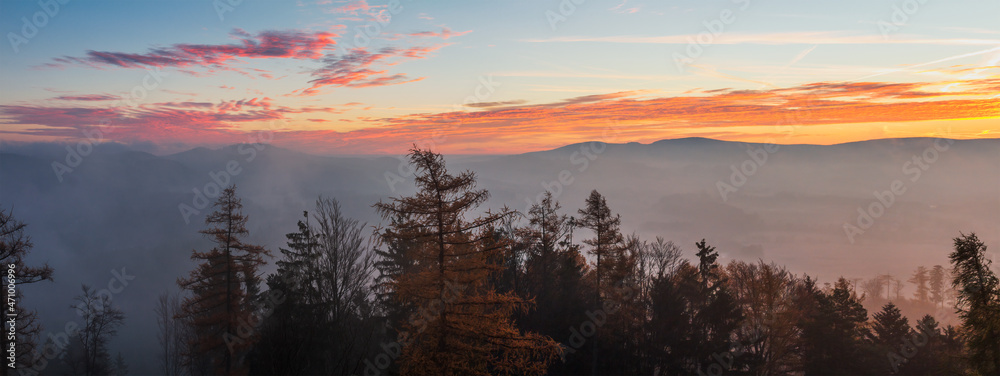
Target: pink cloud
(359, 68)
(265, 45)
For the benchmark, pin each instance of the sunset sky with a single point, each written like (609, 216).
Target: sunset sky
(496, 77)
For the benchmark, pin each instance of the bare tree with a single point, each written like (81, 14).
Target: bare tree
(100, 322)
(346, 268)
(171, 335)
(345, 259)
(14, 246)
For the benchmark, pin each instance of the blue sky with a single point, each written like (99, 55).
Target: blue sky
(545, 62)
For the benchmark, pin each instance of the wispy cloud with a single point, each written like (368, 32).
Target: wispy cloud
(808, 38)
(361, 68)
(87, 97)
(165, 122)
(290, 44)
(445, 33)
(518, 128)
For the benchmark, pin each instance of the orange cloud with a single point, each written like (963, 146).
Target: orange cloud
(527, 128)
(513, 128)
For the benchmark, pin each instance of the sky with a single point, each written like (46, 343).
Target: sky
(494, 77)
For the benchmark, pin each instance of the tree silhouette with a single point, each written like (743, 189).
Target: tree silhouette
(978, 302)
(15, 244)
(100, 323)
(220, 287)
(937, 278)
(920, 278)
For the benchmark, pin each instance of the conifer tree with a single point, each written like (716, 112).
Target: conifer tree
(920, 278)
(613, 264)
(937, 278)
(219, 302)
(978, 302)
(889, 332)
(462, 325)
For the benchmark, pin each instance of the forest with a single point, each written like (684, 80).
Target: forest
(444, 286)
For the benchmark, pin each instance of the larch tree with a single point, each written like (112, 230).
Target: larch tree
(15, 244)
(219, 302)
(462, 325)
(978, 302)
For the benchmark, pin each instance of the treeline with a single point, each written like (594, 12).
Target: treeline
(437, 290)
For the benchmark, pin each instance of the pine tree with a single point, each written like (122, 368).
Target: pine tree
(219, 303)
(889, 332)
(121, 368)
(920, 278)
(613, 264)
(937, 284)
(889, 327)
(553, 274)
(978, 302)
(324, 322)
(463, 326)
(290, 336)
(833, 331)
(717, 316)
